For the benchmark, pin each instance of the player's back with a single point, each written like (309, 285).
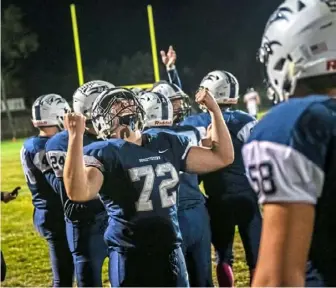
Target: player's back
(34, 163)
(295, 148)
(231, 179)
(56, 150)
(143, 182)
(189, 195)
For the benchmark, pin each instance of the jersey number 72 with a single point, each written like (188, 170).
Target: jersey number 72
(144, 203)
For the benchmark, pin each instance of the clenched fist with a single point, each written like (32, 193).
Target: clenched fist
(204, 98)
(74, 123)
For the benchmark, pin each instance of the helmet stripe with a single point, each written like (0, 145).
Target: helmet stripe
(37, 112)
(164, 105)
(232, 85)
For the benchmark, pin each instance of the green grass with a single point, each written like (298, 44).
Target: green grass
(25, 252)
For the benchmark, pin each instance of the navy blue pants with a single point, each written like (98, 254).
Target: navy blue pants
(233, 210)
(142, 269)
(195, 227)
(86, 242)
(52, 228)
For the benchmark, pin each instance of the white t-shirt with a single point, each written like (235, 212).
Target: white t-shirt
(250, 99)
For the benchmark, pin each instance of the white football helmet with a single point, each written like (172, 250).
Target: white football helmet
(138, 91)
(49, 110)
(158, 109)
(222, 85)
(299, 42)
(174, 93)
(86, 94)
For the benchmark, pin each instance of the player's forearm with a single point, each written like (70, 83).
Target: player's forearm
(173, 76)
(75, 181)
(221, 140)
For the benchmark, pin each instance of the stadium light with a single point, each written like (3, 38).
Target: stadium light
(152, 41)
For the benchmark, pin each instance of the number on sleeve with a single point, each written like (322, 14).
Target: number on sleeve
(261, 177)
(144, 203)
(56, 160)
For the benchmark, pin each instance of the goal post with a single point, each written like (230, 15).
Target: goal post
(151, 25)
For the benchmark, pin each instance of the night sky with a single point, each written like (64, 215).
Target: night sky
(207, 35)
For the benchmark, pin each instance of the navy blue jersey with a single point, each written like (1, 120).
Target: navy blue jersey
(291, 157)
(34, 164)
(189, 195)
(231, 179)
(56, 149)
(141, 187)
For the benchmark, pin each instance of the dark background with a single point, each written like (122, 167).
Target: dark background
(115, 45)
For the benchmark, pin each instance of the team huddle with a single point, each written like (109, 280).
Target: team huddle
(117, 175)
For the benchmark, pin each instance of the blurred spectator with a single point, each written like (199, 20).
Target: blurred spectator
(252, 100)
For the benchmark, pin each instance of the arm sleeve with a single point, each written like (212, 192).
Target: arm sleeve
(291, 172)
(245, 132)
(181, 146)
(174, 77)
(100, 156)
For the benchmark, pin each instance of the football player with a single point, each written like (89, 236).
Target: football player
(47, 115)
(291, 153)
(231, 201)
(252, 101)
(85, 221)
(142, 173)
(193, 217)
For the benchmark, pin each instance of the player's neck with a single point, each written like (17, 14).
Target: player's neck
(135, 137)
(48, 131)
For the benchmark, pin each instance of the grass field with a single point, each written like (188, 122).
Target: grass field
(25, 252)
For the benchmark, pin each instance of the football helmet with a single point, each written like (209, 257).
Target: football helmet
(138, 91)
(49, 110)
(179, 99)
(222, 85)
(86, 94)
(116, 107)
(297, 43)
(158, 109)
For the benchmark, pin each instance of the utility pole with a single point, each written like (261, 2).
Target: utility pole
(8, 112)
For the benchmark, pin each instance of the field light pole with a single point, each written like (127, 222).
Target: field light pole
(9, 114)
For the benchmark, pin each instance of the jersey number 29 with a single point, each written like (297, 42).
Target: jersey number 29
(144, 203)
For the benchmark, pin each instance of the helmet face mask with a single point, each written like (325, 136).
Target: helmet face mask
(49, 110)
(114, 111)
(181, 108)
